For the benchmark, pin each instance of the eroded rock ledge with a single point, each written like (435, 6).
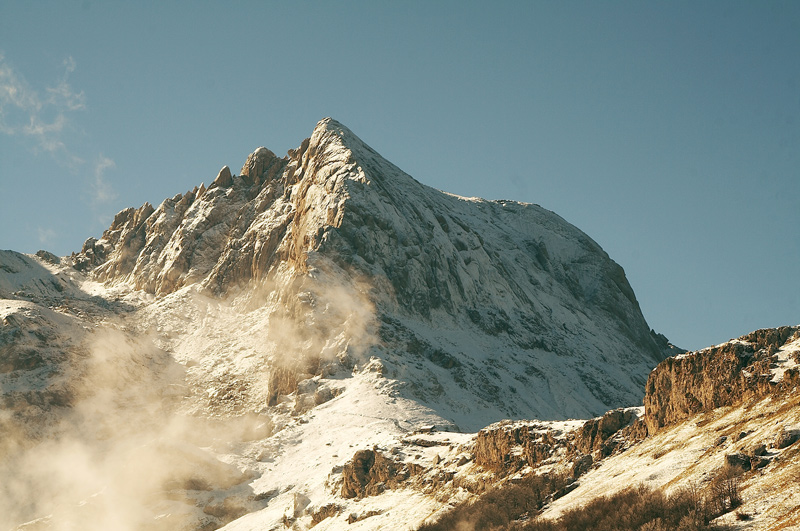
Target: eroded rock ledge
(724, 375)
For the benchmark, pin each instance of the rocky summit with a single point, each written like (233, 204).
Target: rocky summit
(299, 344)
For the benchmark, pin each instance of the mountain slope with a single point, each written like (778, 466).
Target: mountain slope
(743, 423)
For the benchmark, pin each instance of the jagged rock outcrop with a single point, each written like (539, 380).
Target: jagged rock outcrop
(369, 472)
(224, 178)
(507, 447)
(724, 375)
(597, 435)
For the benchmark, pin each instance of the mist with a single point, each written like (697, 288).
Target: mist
(160, 397)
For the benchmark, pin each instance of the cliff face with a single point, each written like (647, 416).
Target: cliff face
(752, 366)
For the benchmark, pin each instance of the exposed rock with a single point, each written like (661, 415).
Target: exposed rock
(724, 375)
(786, 438)
(738, 460)
(326, 511)
(261, 165)
(356, 517)
(507, 447)
(299, 503)
(126, 238)
(224, 178)
(370, 472)
(48, 257)
(596, 434)
(357, 474)
(581, 465)
(92, 253)
(757, 451)
(463, 459)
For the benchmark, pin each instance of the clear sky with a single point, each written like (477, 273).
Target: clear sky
(667, 131)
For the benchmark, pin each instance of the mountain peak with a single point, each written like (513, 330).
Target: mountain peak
(502, 277)
(334, 139)
(331, 125)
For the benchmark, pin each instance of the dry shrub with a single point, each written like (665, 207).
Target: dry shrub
(723, 491)
(633, 509)
(515, 507)
(501, 506)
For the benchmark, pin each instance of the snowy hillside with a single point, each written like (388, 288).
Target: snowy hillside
(230, 356)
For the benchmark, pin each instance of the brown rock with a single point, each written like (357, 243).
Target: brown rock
(494, 445)
(370, 472)
(725, 375)
(786, 438)
(326, 511)
(758, 451)
(595, 433)
(356, 474)
(262, 165)
(738, 460)
(224, 178)
(581, 465)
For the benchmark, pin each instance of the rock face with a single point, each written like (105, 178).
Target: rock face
(507, 447)
(502, 300)
(370, 473)
(723, 375)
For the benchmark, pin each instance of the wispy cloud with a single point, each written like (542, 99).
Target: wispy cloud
(62, 96)
(40, 116)
(45, 117)
(102, 192)
(46, 235)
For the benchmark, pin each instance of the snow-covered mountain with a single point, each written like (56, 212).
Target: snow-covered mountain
(225, 357)
(502, 300)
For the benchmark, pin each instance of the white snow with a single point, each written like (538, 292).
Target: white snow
(787, 359)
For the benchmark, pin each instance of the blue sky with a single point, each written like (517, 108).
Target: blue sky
(667, 131)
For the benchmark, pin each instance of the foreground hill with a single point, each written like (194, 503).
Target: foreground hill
(719, 436)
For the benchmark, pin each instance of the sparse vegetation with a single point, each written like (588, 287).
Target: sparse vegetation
(634, 509)
(516, 507)
(723, 492)
(498, 508)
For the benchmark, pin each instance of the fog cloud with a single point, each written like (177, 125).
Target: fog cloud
(137, 449)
